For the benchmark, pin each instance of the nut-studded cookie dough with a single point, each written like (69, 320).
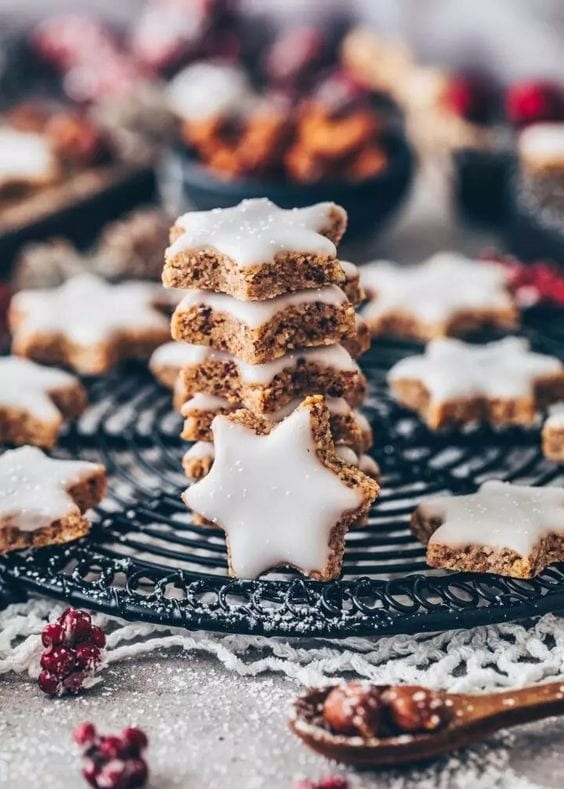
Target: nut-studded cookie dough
(35, 400)
(553, 434)
(256, 250)
(266, 387)
(348, 427)
(514, 530)
(291, 472)
(454, 382)
(447, 295)
(87, 324)
(260, 331)
(43, 501)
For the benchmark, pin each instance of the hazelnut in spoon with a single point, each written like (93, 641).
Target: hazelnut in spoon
(383, 725)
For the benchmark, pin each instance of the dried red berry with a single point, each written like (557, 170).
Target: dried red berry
(73, 652)
(113, 761)
(331, 782)
(534, 101)
(412, 708)
(472, 96)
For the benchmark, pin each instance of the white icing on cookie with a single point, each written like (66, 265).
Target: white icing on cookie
(365, 463)
(451, 368)
(434, 291)
(351, 271)
(328, 356)
(25, 157)
(555, 418)
(33, 488)
(206, 91)
(256, 230)
(199, 450)
(498, 515)
(88, 310)
(26, 386)
(542, 143)
(172, 354)
(257, 313)
(279, 474)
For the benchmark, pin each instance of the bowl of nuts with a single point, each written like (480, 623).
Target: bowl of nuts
(338, 142)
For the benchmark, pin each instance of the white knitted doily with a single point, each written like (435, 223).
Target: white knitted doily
(504, 655)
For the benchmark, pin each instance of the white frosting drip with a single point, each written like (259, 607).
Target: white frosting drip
(451, 368)
(347, 454)
(33, 488)
(204, 402)
(88, 310)
(172, 354)
(327, 356)
(542, 141)
(201, 449)
(255, 231)
(25, 157)
(25, 386)
(205, 91)
(499, 515)
(435, 290)
(279, 474)
(257, 313)
(369, 466)
(363, 422)
(351, 271)
(556, 417)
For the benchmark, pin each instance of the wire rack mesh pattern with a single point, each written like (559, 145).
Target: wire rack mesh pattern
(145, 558)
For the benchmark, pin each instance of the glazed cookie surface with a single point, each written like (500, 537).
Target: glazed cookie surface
(447, 295)
(42, 500)
(514, 530)
(454, 382)
(87, 323)
(553, 434)
(261, 331)
(35, 400)
(256, 250)
(292, 472)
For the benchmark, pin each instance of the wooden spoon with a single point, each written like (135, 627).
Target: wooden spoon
(472, 717)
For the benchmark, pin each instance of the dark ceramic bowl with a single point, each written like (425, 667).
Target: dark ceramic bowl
(369, 203)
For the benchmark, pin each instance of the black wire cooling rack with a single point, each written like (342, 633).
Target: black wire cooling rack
(146, 560)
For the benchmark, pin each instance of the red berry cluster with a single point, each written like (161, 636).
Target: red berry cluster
(533, 102)
(73, 650)
(113, 761)
(533, 283)
(331, 782)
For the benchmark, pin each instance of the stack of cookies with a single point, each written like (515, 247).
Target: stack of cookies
(268, 317)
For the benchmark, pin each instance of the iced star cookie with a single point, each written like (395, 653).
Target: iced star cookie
(26, 160)
(198, 460)
(514, 530)
(256, 250)
(42, 501)
(263, 388)
(291, 472)
(358, 343)
(87, 324)
(352, 287)
(260, 331)
(553, 434)
(348, 427)
(454, 382)
(447, 295)
(35, 400)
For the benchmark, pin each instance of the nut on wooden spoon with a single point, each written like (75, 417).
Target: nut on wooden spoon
(381, 725)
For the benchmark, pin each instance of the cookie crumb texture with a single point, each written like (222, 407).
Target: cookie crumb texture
(291, 471)
(43, 501)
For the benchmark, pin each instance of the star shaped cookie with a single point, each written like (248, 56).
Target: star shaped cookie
(447, 295)
(34, 401)
(42, 500)
(280, 492)
(87, 323)
(514, 530)
(553, 434)
(454, 382)
(256, 250)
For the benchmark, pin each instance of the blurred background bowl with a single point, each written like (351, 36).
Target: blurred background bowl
(369, 203)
